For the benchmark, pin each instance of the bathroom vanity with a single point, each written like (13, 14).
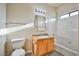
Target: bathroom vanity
(42, 44)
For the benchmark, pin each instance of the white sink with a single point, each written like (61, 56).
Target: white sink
(43, 36)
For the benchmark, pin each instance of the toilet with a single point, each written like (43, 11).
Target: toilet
(18, 47)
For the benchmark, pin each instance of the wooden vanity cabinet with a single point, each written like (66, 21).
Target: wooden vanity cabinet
(42, 46)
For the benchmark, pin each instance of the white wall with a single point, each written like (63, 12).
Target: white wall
(67, 38)
(66, 8)
(2, 25)
(51, 26)
(23, 13)
(78, 28)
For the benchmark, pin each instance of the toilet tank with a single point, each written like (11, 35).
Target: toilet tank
(18, 43)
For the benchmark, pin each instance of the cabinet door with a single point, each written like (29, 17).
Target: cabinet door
(41, 47)
(50, 45)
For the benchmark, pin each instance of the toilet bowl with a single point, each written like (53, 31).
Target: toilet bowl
(18, 52)
(18, 45)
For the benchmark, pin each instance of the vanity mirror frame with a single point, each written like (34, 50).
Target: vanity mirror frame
(36, 23)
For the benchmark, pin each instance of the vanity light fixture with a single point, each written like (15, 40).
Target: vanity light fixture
(39, 11)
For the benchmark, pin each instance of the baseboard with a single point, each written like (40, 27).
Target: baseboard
(65, 51)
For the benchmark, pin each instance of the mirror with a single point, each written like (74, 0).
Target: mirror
(39, 22)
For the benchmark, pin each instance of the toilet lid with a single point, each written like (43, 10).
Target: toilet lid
(19, 52)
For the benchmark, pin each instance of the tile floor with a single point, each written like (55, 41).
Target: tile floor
(55, 54)
(51, 54)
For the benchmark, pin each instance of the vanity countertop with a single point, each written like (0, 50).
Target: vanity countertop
(42, 37)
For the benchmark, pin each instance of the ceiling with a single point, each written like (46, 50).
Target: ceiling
(55, 4)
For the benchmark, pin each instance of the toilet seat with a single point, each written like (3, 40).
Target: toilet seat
(18, 52)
